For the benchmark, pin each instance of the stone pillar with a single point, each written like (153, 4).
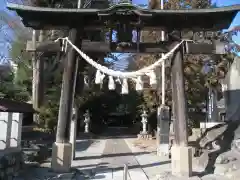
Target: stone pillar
(181, 160)
(164, 123)
(86, 121)
(144, 122)
(73, 132)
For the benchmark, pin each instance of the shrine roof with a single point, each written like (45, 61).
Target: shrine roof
(7, 105)
(53, 18)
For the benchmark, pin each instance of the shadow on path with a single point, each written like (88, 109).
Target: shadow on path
(83, 145)
(111, 155)
(104, 166)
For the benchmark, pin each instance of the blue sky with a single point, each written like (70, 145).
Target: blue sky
(218, 2)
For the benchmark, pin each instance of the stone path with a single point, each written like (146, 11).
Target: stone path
(115, 155)
(150, 163)
(88, 155)
(105, 159)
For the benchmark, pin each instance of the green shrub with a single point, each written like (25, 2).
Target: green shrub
(48, 115)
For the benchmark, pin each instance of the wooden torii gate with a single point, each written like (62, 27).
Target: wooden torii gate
(124, 18)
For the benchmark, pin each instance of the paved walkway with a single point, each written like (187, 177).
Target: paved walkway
(88, 155)
(104, 159)
(151, 164)
(115, 155)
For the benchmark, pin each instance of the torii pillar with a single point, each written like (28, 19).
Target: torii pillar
(62, 148)
(181, 153)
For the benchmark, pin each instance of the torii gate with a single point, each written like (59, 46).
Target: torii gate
(124, 18)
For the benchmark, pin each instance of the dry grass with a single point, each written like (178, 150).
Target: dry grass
(146, 145)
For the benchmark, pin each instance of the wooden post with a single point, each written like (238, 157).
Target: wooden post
(181, 153)
(73, 132)
(180, 108)
(62, 149)
(39, 77)
(37, 82)
(67, 94)
(34, 54)
(73, 123)
(74, 117)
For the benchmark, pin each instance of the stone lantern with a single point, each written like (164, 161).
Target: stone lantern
(74, 114)
(144, 122)
(86, 121)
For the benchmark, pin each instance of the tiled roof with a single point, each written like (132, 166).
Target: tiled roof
(7, 105)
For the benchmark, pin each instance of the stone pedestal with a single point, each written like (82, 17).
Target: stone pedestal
(163, 131)
(163, 150)
(144, 136)
(61, 157)
(181, 161)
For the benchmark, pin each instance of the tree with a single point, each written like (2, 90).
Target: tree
(12, 82)
(196, 81)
